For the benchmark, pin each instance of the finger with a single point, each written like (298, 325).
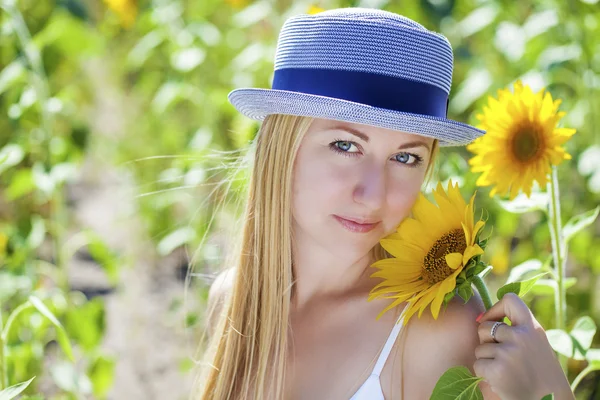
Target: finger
(503, 332)
(482, 367)
(510, 306)
(487, 350)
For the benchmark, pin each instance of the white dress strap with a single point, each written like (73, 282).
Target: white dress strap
(383, 356)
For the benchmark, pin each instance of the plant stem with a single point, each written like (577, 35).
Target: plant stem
(582, 374)
(555, 225)
(483, 291)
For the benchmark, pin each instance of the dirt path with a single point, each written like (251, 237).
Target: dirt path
(144, 331)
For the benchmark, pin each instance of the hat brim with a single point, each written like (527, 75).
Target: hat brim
(258, 103)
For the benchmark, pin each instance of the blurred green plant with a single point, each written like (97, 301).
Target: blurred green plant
(40, 151)
(150, 98)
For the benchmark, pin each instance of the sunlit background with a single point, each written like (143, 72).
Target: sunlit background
(116, 138)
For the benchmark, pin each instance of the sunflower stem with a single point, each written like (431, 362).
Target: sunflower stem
(556, 234)
(483, 291)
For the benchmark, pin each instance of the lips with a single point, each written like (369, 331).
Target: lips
(356, 224)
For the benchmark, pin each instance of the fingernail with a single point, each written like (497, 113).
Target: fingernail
(479, 316)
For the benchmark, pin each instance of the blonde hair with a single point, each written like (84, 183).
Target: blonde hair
(248, 348)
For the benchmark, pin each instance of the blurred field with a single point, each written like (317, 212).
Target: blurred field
(116, 132)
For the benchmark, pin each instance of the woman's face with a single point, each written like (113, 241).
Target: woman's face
(354, 183)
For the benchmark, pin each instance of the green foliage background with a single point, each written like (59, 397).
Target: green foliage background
(143, 85)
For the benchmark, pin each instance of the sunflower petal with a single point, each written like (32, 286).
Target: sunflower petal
(454, 260)
(389, 307)
(480, 224)
(426, 212)
(470, 252)
(399, 249)
(446, 287)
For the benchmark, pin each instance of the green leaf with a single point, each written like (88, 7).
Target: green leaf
(101, 373)
(583, 332)
(69, 35)
(38, 232)
(144, 48)
(10, 155)
(549, 286)
(465, 291)
(21, 183)
(175, 239)
(457, 383)
(478, 19)
(86, 324)
(520, 288)
(449, 296)
(103, 255)
(560, 341)
(10, 284)
(478, 269)
(42, 180)
(482, 243)
(13, 73)
(576, 343)
(522, 204)
(13, 391)
(69, 379)
(476, 84)
(548, 397)
(523, 269)
(257, 11)
(186, 60)
(62, 337)
(593, 356)
(579, 222)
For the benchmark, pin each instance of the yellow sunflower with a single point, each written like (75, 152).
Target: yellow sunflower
(313, 9)
(429, 251)
(521, 143)
(125, 9)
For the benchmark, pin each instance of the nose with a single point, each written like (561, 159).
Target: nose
(370, 189)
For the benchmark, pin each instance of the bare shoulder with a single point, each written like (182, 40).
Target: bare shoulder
(217, 294)
(437, 345)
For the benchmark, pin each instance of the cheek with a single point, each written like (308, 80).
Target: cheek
(318, 187)
(400, 202)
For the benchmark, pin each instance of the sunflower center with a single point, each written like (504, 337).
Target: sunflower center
(435, 267)
(526, 144)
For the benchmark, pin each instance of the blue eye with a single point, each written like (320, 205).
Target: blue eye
(404, 157)
(343, 145)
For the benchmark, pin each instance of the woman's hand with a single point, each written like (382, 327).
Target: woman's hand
(522, 365)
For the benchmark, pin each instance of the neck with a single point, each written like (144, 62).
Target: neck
(320, 273)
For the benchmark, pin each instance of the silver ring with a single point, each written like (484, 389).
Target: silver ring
(494, 328)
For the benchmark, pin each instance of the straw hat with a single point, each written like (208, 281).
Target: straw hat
(361, 65)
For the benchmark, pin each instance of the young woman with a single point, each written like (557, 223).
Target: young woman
(351, 128)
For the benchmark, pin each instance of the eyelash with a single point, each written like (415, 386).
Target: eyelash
(332, 145)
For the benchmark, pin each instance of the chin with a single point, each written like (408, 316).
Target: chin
(349, 246)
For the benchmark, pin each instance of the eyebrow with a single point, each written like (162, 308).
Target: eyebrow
(355, 132)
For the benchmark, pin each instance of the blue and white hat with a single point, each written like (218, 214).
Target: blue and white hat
(361, 65)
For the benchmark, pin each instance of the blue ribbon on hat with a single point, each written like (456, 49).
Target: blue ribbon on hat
(367, 88)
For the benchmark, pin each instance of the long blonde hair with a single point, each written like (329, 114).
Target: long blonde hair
(248, 350)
